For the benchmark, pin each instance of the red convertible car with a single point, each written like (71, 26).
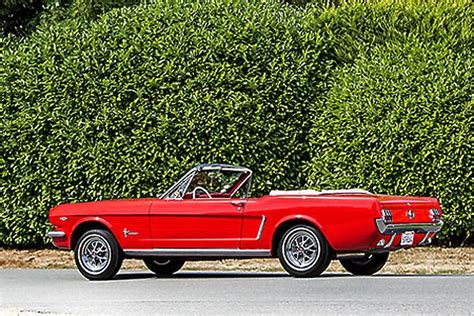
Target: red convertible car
(207, 215)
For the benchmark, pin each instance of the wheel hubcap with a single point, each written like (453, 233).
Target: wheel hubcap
(95, 254)
(301, 249)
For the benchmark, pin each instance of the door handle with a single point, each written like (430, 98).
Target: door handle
(238, 203)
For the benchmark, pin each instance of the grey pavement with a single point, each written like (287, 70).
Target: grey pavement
(224, 293)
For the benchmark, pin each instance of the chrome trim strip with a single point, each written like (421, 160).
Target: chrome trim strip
(56, 234)
(260, 230)
(177, 183)
(389, 229)
(390, 242)
(199, 252)
(188, 183)
(237, 169)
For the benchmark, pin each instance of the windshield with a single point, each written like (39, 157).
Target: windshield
(212, 183)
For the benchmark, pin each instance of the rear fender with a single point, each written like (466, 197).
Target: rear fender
(305, 218)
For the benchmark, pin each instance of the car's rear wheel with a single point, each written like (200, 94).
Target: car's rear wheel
(97, 255)
(367, 265)
(303, 251)
(163, 266)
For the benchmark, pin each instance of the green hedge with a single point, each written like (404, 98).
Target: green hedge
(400, 122)
(398, 116)
(120, 106)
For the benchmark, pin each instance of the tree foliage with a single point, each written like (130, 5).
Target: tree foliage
(377, 96)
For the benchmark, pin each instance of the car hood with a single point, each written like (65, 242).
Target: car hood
(107, 207)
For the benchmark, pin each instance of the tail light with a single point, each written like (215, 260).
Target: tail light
(435, 214)
(387, 216)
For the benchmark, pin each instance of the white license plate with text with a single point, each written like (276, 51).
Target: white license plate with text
(407, 239)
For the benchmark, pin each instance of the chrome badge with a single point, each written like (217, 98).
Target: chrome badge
(126, 232)
(410, 214)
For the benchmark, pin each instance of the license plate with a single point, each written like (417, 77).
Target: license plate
(407, 239)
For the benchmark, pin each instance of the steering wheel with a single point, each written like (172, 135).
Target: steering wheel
(203, 190)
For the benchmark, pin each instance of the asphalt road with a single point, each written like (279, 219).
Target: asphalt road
(139, 292)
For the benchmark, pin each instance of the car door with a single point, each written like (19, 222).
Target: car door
(196, 223)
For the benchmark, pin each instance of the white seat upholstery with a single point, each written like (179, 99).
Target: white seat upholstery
(314, 192)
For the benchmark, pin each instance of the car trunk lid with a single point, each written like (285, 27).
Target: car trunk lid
(407, 209)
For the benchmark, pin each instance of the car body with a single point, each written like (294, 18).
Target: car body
(207, 215)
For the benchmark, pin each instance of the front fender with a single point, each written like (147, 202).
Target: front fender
(89, 219)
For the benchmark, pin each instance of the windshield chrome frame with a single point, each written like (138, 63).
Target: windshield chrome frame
(189, 176)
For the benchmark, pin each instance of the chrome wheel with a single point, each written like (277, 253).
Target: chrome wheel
(94, 254)
(301, 249)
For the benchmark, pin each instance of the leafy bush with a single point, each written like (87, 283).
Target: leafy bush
(120, 106)
(398, 114)
(400, 122)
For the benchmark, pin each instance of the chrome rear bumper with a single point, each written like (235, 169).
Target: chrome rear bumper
(56, 234)
(389, 229)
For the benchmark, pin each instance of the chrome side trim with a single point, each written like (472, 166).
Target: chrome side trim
(390, 242)
(56, 234)
(389, 229)
(199, 252)
(260, 230)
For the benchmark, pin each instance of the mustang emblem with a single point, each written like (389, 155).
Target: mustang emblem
(126, 232)
(410, 214)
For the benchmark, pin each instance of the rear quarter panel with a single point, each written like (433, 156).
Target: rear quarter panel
(346, 222)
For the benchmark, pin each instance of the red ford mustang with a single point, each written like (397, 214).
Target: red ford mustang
(207, 215)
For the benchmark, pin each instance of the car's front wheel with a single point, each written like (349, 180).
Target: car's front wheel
(163, 266)
(97, 255)
(367, 265)
(303, 251)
